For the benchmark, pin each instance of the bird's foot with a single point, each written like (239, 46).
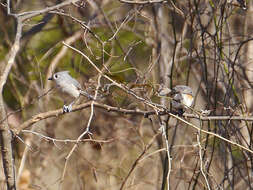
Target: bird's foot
(180, 112)
(90, 97)
(67, 109)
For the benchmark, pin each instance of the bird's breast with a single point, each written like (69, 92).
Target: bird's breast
(187, 99)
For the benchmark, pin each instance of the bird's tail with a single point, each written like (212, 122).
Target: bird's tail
(84, 93)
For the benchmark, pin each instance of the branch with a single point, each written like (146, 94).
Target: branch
(56, 113)
(146, 148)
(30, 14)
(5, 134)
(121, 86)
(59, 112)
(143, 2)
(211, 133)
(65, 141)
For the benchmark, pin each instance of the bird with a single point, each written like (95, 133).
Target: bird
(242, 3)
(70, 86)
(182, 97)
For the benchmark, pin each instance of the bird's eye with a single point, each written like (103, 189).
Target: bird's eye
(56, 76)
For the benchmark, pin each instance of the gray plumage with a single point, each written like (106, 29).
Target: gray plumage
(182, 89)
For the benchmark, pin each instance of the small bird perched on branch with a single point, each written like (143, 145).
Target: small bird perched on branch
(182, 97)
(69, 86)
(242, 3)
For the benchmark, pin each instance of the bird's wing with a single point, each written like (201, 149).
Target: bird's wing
(178, 97)
(76, 83)
(72, 80)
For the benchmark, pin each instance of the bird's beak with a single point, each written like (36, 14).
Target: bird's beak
(51, 78)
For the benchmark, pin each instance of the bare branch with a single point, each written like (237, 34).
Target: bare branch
(59, 112)
(6, 65)
(143, 2)
(146, 148)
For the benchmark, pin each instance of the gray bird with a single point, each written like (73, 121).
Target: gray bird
(182, 96)
(69, 86)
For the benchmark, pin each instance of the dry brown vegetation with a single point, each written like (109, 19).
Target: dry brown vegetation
(122, 52)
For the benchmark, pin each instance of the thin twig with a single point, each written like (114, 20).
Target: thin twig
(211, 133)
(163, 127)
(146, 148)
(87, 131)
(151, 104)
(201, 161)
(65, 140)
(143, 2)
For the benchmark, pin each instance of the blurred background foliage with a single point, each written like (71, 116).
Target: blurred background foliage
(203, 44)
